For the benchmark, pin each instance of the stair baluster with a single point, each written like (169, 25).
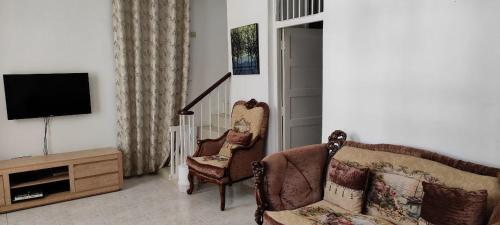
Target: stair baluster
(183, 137)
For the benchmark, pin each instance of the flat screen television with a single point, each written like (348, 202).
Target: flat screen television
(46, 95)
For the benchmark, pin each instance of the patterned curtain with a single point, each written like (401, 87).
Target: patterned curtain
(151, 45)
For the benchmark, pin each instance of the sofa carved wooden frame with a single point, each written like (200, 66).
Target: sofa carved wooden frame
(234, 172)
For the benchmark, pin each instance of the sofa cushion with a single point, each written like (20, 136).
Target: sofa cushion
(450, 206)
(345, 185)
(213, 166)
(396, 192)
(320, 213)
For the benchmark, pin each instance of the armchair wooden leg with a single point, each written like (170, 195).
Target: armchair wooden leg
(191, 185)
(222, 191)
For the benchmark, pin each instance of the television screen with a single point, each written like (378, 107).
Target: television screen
(44, 95)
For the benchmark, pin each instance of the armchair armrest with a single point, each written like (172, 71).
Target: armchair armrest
(293, 178)
(208, 147)
(240, 163)
(495, 216)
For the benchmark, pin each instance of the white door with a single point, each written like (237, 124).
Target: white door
(302, 53)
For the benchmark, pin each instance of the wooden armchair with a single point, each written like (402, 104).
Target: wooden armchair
(228, 159)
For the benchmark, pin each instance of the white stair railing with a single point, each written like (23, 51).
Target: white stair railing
(292, 9)
(175, 147)
(207, 116)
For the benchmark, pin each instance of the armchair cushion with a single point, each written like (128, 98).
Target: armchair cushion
(345, 185)
(449, 206)
(239, 138)
(214, 166)
(225, 151)
(320, 213)
(234, 139)
(246, 126)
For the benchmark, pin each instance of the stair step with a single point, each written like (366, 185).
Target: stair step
(219, 121)
(214, 127)
(224, 122)
(221, 116)
(207, 133)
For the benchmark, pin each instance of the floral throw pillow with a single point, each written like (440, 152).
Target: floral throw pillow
(396, 193)
(345, 186)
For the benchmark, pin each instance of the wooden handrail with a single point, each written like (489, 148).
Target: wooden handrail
(185, 110)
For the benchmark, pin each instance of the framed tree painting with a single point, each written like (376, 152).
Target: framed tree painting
(245, 50)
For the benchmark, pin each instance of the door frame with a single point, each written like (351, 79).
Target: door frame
(280, 31)
(274, 29)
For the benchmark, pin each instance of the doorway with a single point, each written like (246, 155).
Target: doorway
(301, 84)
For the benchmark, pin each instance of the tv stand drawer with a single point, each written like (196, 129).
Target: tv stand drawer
(100, 181)
(95, 168)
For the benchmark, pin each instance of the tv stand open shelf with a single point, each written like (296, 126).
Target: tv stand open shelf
(59, 177)
(41, 181)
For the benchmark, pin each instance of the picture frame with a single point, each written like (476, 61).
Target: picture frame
(245, 50)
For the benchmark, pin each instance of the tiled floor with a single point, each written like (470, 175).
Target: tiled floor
(146, 200)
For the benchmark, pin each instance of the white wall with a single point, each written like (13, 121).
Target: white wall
(58, 36)
(420, 73)
(241, 13)
(208, 49)
(245, 87)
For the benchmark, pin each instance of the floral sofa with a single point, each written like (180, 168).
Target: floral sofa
(349, 183)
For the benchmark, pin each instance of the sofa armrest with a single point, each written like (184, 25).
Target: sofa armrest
(495, 216)
(290, 179)
(208, 147)
(293, 178)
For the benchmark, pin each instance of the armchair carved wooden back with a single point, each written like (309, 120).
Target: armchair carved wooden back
(251, 116)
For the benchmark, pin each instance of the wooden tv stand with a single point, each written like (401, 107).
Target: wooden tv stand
(60, 177)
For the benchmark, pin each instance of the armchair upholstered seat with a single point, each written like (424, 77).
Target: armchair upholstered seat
(228, 159)
(212, 166)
